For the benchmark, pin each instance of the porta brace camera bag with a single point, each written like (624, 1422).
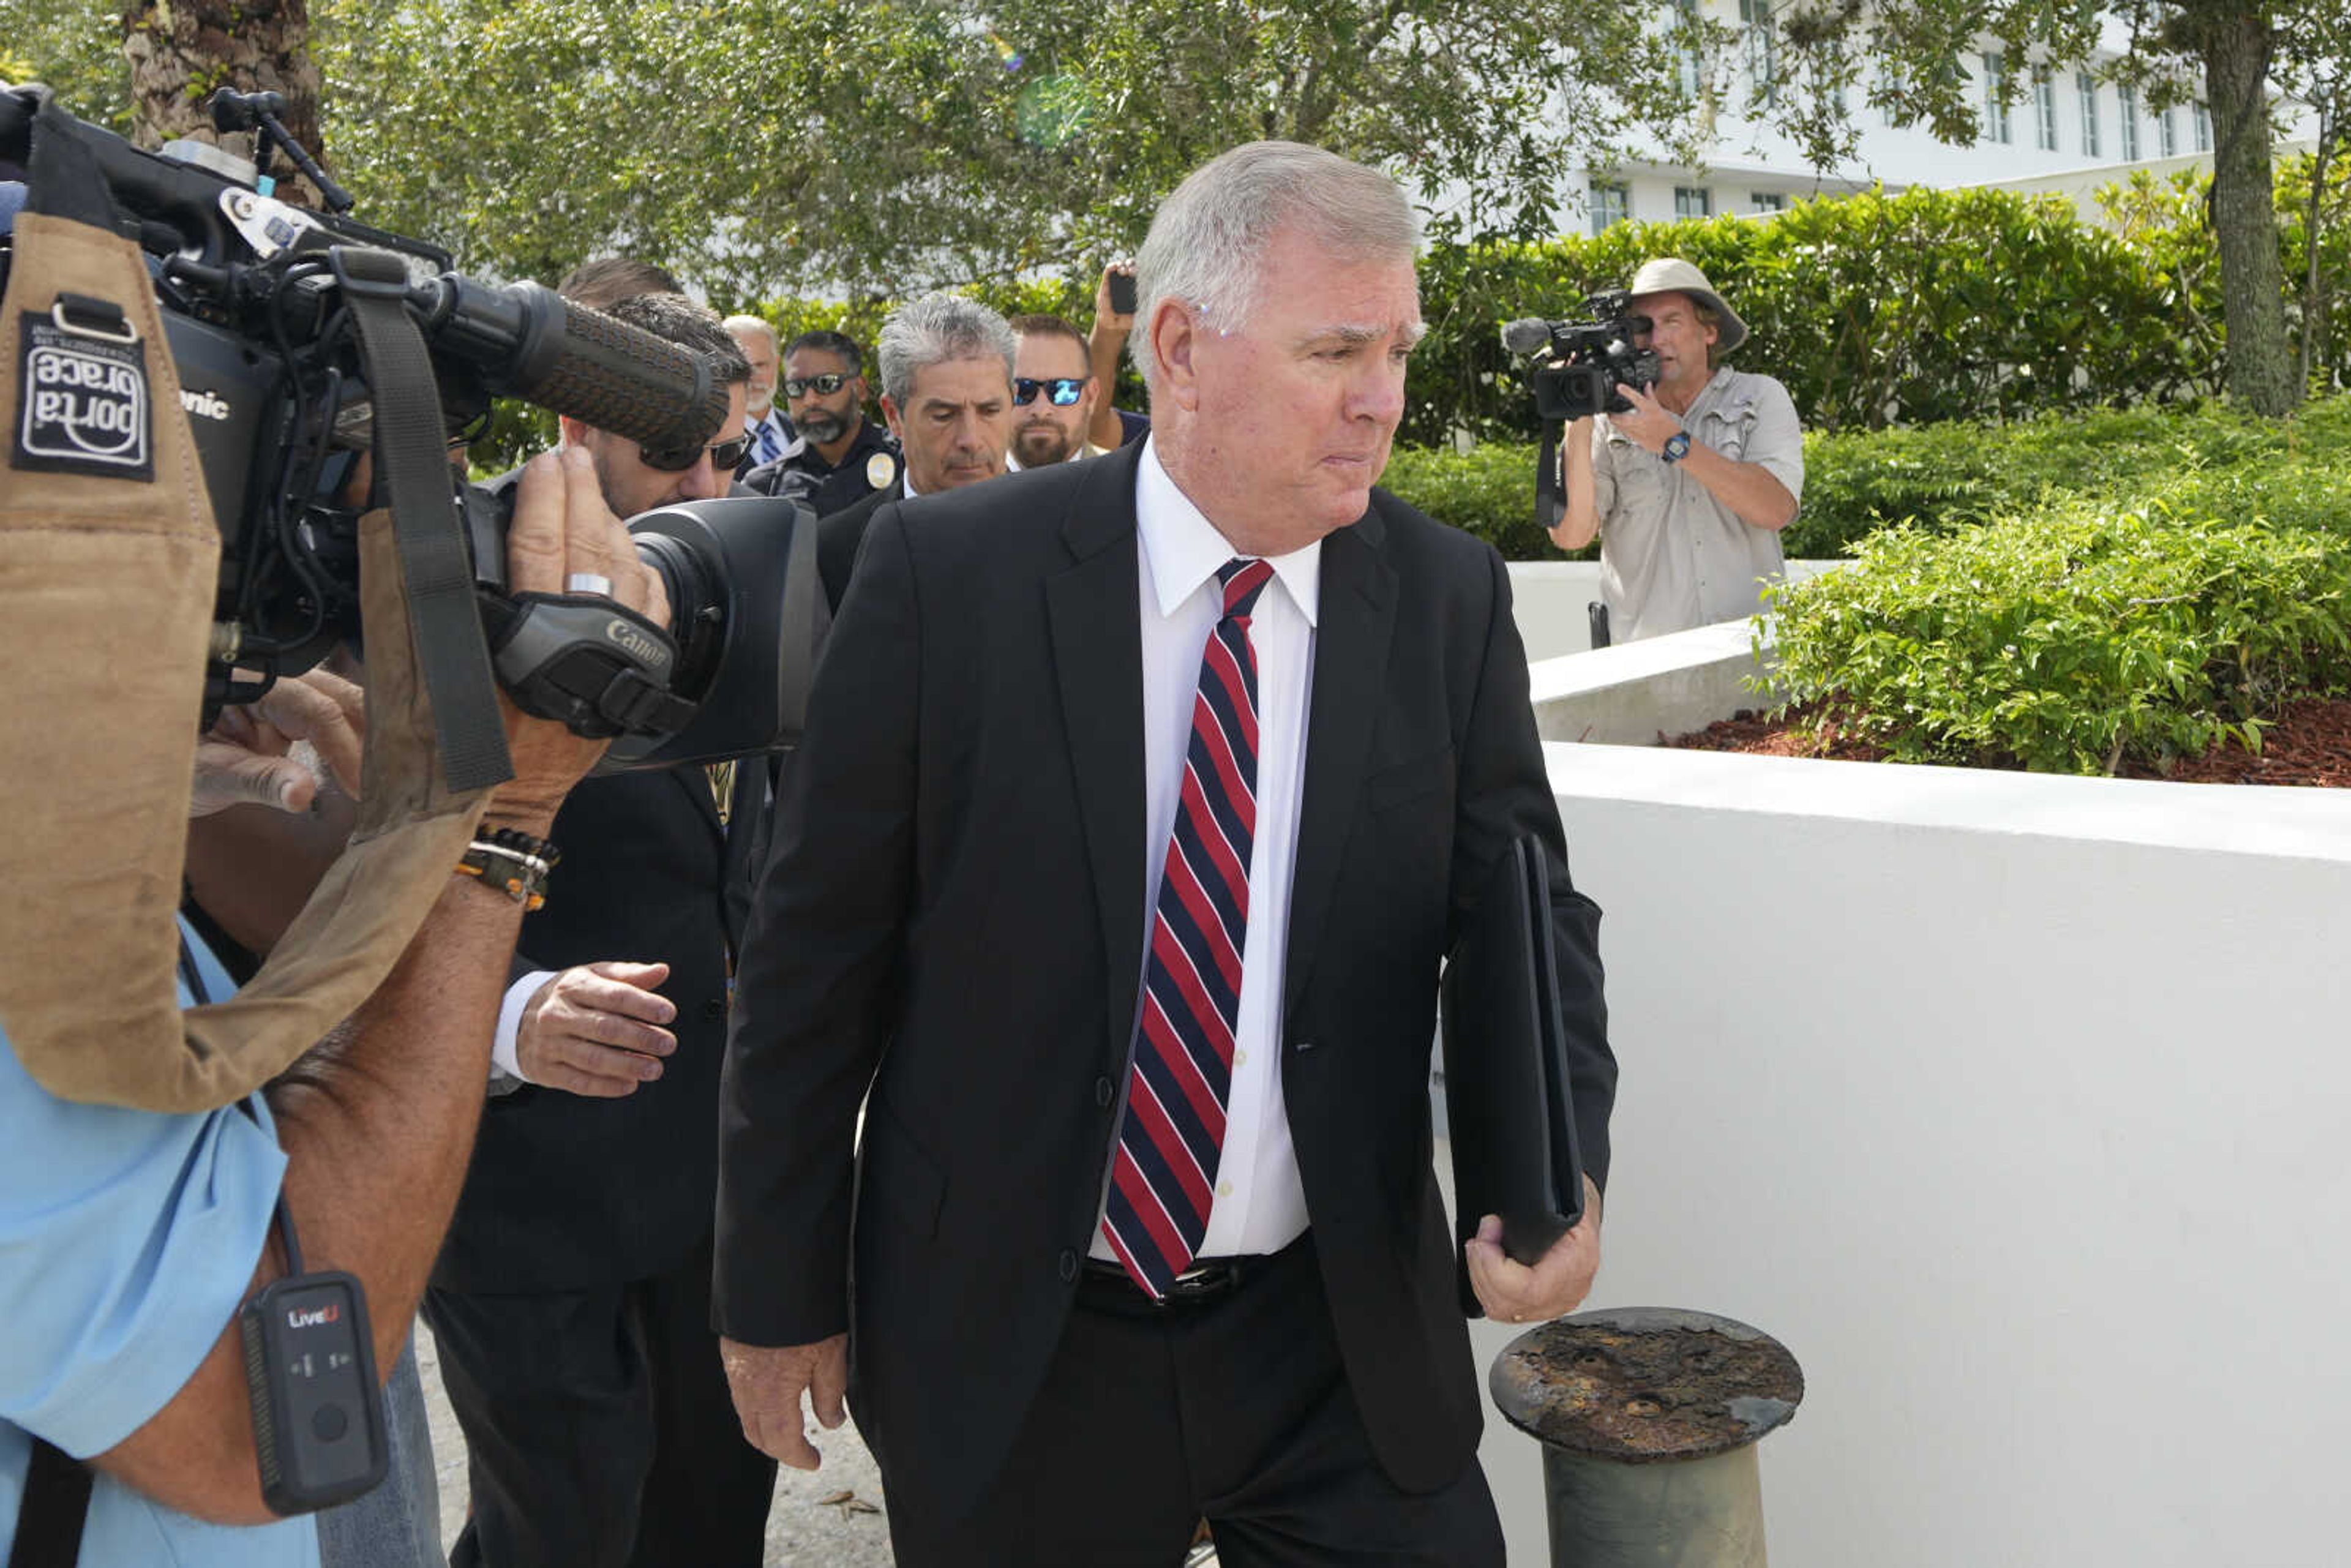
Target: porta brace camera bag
(109, 556)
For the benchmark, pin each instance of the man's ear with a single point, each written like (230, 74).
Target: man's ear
(1175, 329)
(573, 432)
(890, 417)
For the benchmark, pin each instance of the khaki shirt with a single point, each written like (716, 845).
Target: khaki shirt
(1671, 556)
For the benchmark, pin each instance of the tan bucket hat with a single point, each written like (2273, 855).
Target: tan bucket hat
(1671, 275)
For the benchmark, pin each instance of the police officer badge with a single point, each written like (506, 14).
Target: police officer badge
(84, 400)
(880, 469)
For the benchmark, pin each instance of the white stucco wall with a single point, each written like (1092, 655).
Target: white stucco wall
(1549, 599)
(2013, 1105)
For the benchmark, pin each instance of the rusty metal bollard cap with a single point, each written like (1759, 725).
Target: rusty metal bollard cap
(1645, 1384)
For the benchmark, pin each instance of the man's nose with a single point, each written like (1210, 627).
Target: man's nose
(1379, 394)
(703, 482)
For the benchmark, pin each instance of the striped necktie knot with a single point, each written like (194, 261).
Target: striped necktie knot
(1244, 578)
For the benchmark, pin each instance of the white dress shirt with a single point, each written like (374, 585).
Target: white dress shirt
(1260, 1204)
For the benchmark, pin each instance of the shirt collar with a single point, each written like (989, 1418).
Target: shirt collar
(1184, 549)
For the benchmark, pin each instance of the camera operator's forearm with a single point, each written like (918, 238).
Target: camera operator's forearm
(1581, 520)
(1750, 490)
(377, 1124)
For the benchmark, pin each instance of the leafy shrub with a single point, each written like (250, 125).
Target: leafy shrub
(1953, 474)
(2069, 641)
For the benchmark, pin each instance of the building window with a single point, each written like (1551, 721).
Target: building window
(1995, 119)
(1693, 78)
(2203, 129)
(1767, 201)
(1693, 202)
(2088, 88)
(2044, 108)
(1763, 52)
(1611, 204)
(2130, 123)
(2167, 132)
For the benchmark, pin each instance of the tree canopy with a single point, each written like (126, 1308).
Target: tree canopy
(892, 144)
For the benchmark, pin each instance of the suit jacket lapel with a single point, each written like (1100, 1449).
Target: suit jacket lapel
(1091, 610)
(1350, 661)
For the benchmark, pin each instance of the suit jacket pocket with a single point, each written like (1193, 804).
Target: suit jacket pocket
(1409, 781)
(903, 1185)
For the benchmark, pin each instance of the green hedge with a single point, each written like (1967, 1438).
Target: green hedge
(2072, 638)
(1925, 307)
(1956, 474)
(2230, 465)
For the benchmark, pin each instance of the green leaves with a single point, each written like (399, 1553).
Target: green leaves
(859, 146)
(2070, 638)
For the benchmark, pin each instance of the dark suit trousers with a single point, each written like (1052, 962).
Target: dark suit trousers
(599, 1429)
(1236, 1410)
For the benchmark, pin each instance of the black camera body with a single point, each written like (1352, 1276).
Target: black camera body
(1582, 362)
(261, 304)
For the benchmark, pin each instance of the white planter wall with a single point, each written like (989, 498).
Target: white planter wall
(2018, 1108)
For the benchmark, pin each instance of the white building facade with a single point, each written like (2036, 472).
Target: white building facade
(2065, 127)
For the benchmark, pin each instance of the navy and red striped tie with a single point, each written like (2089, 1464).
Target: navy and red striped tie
(1163, 1172)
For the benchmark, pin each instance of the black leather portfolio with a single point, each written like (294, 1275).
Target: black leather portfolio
(1506, 1082)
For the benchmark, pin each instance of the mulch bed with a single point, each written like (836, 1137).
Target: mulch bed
(2310, 744)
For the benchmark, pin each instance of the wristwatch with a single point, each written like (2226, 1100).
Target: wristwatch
(1677, 446)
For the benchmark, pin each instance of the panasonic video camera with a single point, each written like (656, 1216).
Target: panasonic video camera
(262, 305)
(1580, 363)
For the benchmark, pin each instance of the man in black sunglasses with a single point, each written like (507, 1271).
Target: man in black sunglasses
(571, 1300)
(838, 456)
(637, 478)
(1053, 393)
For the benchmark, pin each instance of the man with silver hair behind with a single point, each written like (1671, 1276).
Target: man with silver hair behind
(947, 392)
(1139, 802)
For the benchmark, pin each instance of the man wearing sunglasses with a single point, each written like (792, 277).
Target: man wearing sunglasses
(571, 1301)
(838, 456)
(638, 478)
(1053, 393)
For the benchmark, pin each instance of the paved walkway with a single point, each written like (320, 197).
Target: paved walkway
(806, 1530)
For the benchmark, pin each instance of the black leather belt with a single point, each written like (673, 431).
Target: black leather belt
(1207, 1280)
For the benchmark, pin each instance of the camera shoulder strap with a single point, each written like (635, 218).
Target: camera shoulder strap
(411, 450)
(56, 1504)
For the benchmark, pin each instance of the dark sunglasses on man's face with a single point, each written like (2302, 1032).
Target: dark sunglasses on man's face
(725, 455)
(824, 386)
(1064, 390)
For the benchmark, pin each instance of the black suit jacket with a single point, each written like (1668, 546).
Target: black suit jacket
(566, 1191)
(954, 916)
(839, 536)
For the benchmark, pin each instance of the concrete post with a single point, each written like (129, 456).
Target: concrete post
(1648, 1419)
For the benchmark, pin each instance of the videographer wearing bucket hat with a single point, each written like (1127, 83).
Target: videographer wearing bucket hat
(1689, 488)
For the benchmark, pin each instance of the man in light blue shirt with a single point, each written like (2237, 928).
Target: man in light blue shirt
(101, 1338)
(128, 1239)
